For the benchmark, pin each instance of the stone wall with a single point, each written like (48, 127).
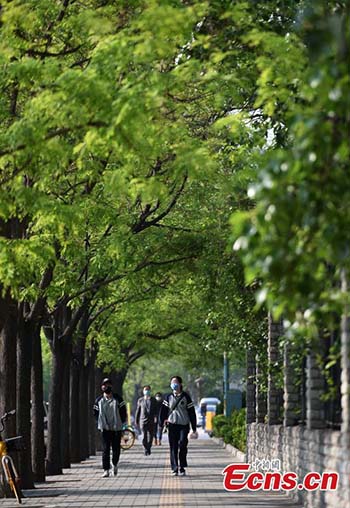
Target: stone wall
(301, 450)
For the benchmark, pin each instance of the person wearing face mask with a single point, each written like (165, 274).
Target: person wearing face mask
(110, 414)
(146, 417)
(159, 429)
(178, 413)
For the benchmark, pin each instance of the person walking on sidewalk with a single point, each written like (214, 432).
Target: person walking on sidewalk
(110, 414)
(158, 429)
(146, 415)
(178, 412)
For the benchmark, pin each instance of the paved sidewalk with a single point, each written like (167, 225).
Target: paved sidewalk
(146, 482)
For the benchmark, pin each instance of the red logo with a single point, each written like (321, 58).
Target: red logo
(236, 478)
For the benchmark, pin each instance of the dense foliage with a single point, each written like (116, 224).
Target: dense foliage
(232, 429)
(295, 239)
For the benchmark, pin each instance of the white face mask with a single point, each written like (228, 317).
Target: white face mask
(158, 398)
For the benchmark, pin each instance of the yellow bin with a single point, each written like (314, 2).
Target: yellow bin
(209, 421)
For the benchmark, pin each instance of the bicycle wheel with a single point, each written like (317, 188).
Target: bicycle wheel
(127, 439)
(12, 478)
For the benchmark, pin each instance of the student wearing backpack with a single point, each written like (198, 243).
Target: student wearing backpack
(178, 413)
(110, 413)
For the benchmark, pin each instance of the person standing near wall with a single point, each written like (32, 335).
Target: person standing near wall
(178, 413)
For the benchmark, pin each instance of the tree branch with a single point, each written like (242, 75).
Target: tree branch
(99, 328)
(156, 336)
(77, 314)
(176, 228)
(144, 224)
(37, 308)
(134, 356)
(45, 53)
(105, 281)
(51, 134)
(117, 302)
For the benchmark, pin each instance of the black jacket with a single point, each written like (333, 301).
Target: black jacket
(159, 407)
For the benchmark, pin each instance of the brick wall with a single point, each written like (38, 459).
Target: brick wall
(302, 450)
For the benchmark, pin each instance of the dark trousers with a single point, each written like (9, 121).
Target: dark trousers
(159, 432)
(178, 442)
(110, 439)
(148, 433)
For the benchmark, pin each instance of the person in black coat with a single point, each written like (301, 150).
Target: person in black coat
(110, 414)
(159, 429)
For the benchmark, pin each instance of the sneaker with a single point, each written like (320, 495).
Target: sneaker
(174, 473)
(115, 470)
(182, 472)
(105, 474)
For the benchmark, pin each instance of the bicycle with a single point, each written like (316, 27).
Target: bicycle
(7, 445)
(128, 437)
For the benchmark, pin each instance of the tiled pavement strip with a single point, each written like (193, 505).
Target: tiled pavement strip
(146, 481)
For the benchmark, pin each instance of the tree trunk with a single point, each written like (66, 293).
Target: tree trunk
(91, 400)
(118, 379)
(79, 392)
(60, 338)
(53, 456)
(84, 386)
(38, 414)
(136, 396)
(65, 412)
(84, 415)
(99, 375)
(26, 331)
(8, 331)
(74, 410)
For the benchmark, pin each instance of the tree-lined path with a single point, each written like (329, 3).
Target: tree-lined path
(174, 190)
(146, 482)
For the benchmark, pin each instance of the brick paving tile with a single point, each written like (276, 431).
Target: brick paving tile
(147, 482)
